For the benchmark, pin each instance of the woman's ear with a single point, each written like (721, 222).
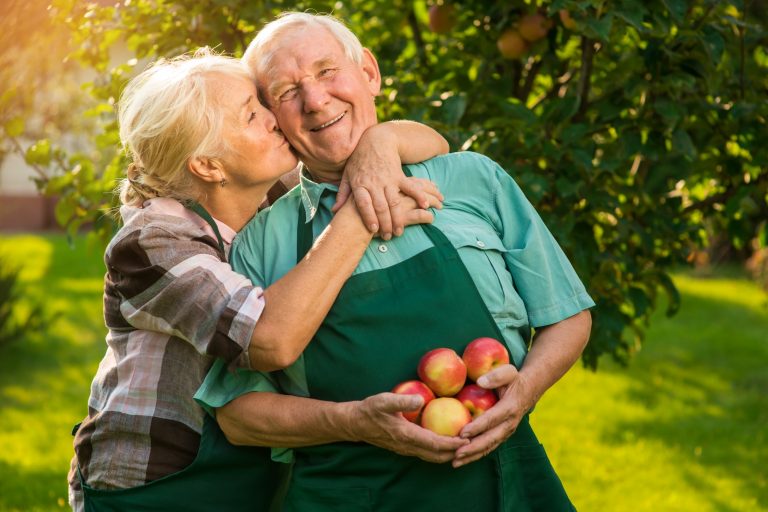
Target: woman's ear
(206, 169)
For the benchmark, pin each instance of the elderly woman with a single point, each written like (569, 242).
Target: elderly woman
(205, 152)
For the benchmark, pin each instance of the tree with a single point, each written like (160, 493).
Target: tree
(633, 126)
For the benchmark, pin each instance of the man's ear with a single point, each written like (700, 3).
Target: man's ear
(206, 169)
(370, 68)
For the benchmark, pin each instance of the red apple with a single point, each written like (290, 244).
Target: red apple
(443, 371)
(445, 416)
(511, 44)
(477, 400)
(483, 355)
(414, 387)
(534, 27)
(442, 18)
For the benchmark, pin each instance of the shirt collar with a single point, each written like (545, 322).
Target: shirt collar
(312, 193)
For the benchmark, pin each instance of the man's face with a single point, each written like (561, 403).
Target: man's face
(323, 101)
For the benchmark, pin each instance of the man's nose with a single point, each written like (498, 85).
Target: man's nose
(315, 97)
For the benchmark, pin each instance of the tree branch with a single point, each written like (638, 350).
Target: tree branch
(420, 48)
(585, 75)
(20, 150)
(530, 77)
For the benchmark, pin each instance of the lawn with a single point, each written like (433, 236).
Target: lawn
(683, 428)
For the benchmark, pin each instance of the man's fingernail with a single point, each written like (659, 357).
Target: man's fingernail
(482, 382)
(374, 227)
(399, 232)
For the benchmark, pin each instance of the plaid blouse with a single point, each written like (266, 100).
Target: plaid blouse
(171, 304)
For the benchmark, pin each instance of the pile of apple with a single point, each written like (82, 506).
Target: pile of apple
(449, 402)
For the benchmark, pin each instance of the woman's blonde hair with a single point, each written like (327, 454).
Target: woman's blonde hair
(167, 116)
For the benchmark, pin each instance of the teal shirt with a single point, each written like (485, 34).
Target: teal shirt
(519, 269)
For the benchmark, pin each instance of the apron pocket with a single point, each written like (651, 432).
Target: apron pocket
(307, 499)
(529, 482)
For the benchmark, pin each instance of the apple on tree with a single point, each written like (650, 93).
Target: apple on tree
(443, 371)
(511, 44)
(533, 27)
(483, 355)
(414, 387)
(442, 18)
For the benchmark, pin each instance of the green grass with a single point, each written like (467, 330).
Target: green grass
(683, 428)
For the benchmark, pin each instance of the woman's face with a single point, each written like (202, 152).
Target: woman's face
(256, 151)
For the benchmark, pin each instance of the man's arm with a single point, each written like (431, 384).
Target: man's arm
(269, 419)
(554, 351)
(373, 173)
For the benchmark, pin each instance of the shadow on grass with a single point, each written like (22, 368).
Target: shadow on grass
(45, 377)
(703, 374)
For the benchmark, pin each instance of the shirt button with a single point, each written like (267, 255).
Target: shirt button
(480, 244)
(383, 248)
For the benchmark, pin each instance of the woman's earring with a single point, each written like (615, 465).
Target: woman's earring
(223, 182)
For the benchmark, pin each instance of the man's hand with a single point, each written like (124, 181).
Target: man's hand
(377, 421)
(499, 422)
(373, 175)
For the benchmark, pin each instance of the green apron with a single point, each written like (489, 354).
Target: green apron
(222, 476)
(381, 324)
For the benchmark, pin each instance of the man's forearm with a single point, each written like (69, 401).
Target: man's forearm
(269, 419)
(555, 349)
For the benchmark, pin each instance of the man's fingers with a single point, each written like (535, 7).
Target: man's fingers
(418, 217)
(489, 420)
(502, 375)
(481, 446)
(391, 403)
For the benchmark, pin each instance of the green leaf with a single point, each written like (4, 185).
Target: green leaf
(14, 127)
(632, 12)
(714, 44)
(677, 9)
(39, 153)
(682, 142)
(601, 29)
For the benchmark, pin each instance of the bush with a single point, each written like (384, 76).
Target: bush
(14, 323)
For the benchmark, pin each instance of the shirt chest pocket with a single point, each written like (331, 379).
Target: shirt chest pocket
(482, 252)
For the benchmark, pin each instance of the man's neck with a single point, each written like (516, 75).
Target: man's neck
(332, 177)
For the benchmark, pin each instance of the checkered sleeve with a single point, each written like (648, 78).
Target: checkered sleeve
(182, 288)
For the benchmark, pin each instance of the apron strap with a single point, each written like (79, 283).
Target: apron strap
(202, 212)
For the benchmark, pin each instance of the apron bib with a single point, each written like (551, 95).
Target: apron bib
(381, 324)
(222, 476)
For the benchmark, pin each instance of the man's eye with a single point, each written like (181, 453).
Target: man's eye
(327, 72)
(252, 116)
(288, 94)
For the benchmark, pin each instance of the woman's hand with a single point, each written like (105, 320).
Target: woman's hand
(406, 208)
(499, 422)
(374, 176)
(377, 420)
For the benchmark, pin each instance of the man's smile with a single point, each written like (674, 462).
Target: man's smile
(329, 123)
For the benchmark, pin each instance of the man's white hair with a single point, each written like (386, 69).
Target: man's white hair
(258, 57)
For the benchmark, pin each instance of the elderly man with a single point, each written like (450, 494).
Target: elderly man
(487, 266)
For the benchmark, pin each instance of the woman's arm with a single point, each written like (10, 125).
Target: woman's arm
(374, 176)
(269, 419)
(296, 304)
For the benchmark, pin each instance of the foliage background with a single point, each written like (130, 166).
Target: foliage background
(638, 134)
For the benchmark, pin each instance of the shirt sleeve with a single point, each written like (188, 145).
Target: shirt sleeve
(179, 286)
(543, 276)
